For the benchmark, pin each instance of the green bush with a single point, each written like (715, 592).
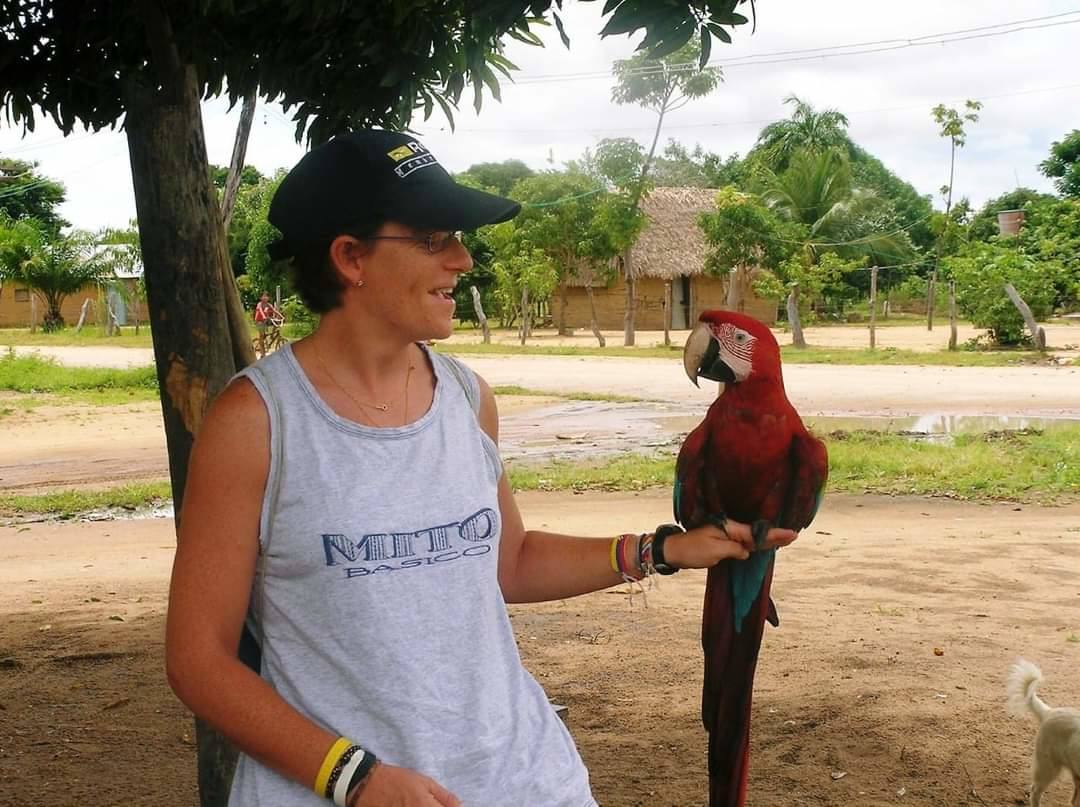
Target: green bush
(299, 319)
(981, 272)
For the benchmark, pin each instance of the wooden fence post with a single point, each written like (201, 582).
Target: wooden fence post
(667, 313)
(1038, 335)
(873, 305)
(33, 313)
(793, 317)
(930, 288)
(480, 316)
(952, 315)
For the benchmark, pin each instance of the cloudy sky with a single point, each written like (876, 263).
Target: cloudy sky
(884, 65)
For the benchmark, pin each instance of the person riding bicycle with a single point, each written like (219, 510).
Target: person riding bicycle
(266, 316)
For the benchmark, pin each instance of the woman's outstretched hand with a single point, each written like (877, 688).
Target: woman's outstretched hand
(706, 546)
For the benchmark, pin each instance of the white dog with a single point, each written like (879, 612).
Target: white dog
(1057, 745)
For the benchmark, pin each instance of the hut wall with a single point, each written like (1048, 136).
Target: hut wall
(706, 293)
(611, 305)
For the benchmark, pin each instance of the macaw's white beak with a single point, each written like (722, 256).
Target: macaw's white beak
(697, 345)
(701, 357)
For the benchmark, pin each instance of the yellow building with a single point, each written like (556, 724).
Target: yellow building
(17, 305)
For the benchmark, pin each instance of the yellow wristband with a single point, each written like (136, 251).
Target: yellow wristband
(328, 763)
(612, 558)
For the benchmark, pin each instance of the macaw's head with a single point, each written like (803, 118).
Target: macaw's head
(730, 348)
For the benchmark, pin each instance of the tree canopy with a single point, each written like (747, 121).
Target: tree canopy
(1063, 164)
(497, 177)
(807, 129)
(24, 193)
(338, 66)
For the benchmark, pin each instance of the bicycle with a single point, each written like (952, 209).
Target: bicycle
(271, 339)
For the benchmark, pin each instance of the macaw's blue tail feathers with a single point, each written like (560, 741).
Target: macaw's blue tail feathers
(747, 577)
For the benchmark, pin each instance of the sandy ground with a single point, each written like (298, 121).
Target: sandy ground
(1063, 338)
(56, 447)
(853, 705)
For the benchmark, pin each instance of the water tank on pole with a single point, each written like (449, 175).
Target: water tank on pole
(1009, 221)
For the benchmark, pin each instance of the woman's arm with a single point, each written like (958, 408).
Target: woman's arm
(212, 575)
(535, 566)
(211, 583)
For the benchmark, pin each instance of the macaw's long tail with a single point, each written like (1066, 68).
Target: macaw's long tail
(730, 661)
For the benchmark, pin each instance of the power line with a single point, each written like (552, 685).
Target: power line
(766, 121)
(830, 51)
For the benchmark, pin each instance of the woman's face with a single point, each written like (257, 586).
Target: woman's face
(409, 287)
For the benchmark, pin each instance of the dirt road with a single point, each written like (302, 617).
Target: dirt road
(849, 684)
(56, 447)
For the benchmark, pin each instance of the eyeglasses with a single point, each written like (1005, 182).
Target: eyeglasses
(435, 242)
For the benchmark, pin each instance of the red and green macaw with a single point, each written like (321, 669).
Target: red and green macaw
(752, 460)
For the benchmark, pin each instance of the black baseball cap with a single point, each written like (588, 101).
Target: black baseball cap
(378, 174)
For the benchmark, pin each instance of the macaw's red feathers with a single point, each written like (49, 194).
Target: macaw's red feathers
(750, 459)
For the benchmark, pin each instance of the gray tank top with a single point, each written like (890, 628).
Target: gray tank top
(377, 600)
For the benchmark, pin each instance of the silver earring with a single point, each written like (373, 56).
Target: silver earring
(359, 283)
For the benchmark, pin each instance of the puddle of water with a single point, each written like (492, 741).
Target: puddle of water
(936, 424)
(939, 423)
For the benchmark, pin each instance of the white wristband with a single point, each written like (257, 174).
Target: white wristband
(341, 789)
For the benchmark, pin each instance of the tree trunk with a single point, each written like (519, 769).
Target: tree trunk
(1038, 335)
(524, 314)
(873, 306)
(481, 317)
(667, 313)
(594, 323)
(33, 313)
(563, 302)
(931, 285)
(185, 260)
(952, 167)
(236, 164)
(631, 302)
(734, 297)
(793, 317)
(952, 315)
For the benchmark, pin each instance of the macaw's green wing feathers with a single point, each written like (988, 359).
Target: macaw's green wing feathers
(810, 469)
(688, 494)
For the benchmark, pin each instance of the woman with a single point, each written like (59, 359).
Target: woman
(346, 496)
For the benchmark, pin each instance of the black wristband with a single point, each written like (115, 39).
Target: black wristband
(362, 770)
(658, 560)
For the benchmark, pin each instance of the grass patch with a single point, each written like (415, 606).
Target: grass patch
(1027, 466)
(69, 503)
(37, 374)
(625, 472)
(513, 389)
(1030, 465)
(68, 338)
(791, 355)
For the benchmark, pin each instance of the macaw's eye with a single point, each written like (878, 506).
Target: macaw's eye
(741, 336)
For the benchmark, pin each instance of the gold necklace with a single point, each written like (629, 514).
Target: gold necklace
(383, 407)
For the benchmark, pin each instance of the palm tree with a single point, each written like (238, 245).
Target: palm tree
(817, 190)
(806, 129)
(53, 269)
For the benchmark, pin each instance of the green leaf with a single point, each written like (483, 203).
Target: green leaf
(625, 20)
(562, 31)
(706, 48)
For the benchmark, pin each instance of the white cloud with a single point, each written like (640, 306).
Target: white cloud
(887, 96)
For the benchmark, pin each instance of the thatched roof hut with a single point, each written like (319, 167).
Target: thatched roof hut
(672, 244)
(668, 265)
